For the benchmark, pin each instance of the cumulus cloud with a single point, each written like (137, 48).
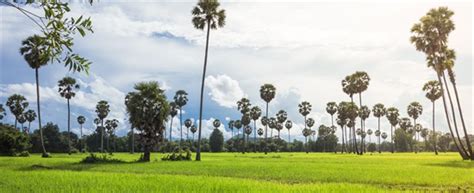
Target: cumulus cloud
(224, 90)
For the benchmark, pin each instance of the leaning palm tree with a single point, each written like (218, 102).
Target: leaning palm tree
(433, 93)
(67, 85)
(102, 109)
(181, 99)
(331, 108)
(81, 120)
(17, 104)
(392, 116)
(30, 116)
(173, 112)
(441, 58)
(206, 15)
(34, 51)
(267, 93)
(255, 113)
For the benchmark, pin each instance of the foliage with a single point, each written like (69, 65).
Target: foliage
(54, 140)
(216, 141)
(178, 155)
(96, 159)
(13, 142)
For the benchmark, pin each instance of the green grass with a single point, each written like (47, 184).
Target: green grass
(233, 172)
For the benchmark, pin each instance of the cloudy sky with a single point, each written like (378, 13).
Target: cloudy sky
(305, 49)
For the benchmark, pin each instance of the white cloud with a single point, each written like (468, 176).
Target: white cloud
(224, 90)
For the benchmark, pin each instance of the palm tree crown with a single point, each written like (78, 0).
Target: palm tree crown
(67, 86)
(243, 105)
(34, 51)
(207, 12)
(331, 108)
(267, 92)
(304, 108)
(433, 90)
(81, 119)
(414, 110)
(255, 112)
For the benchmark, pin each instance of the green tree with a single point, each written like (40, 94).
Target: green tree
(216, 140)
(2, 112)
(30, 116)
(361, 83)
(342, 121)
(245, 120)
(102, 109)
(441, 59)
(352, 113)
(206, 14)
(331, 108)
(267, 94)
(173, 112)
(181, 99)
(414, 110)
(393, 117)
(110, 125)
(12, 141)
(255, 113)
(22, 120)
(281, 117)
(433, 93)
(81, 120)
(17, 104)
(148, 110)
(364, 113)
(289, 125)
(67, 85)
(379, 111)
(231, 127)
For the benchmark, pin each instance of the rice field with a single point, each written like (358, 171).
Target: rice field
(234, 172)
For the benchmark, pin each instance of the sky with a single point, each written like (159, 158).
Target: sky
(305, 49)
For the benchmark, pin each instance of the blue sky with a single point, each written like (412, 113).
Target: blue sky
(304, 49)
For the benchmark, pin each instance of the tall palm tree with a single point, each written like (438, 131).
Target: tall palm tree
(181, 99)
(255, 113)
(414, 110)
(30, 116)
(231, 127)
(267, 93)
(206, 14)
(245, 120)
(433, 93)
(310, 123)
(243, 105)
(361, 83)
(342, 121)
(441, 58)
(406, 125)
(193, 130)
(188, 123)
(22, 120)
(237, 125)
(34, 51)
(67, 85)
(351, 114)
(2, 112)
(392, 116)
(248, 131)
(364, 113)
(111, 126)
(306, 133)
(173, 112)
(379, 111)
(17, 104)
(281, 117)
(81, 120)
(304, 108)
(331, 108)
(289, 125)
(348, 86)
(369, 132)
(102, 109)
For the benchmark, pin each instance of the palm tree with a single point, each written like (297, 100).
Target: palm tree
(245, 120)
(35, 54)
(237, 125)
(288, 125)
(102, 109)
(81, 120)
(243, 105)
(2, 112)
(111, 126)
(361, 83)
(331, 108)
(17, 104)
(206, 15)
(281, 117)
(30, 116)
(364, 113)
(188, 123)
(310, 123)
(441, 58)
(392, 116)
(304, 109)
(352, 113)
(193, 130)
(255, 113)
(66, 90)
(414, 110)
(369, 132)
(22, 120)
(348, 86)
(306, 133)
(342, 121)
(267, 93)
(379, 111)
(384, 136)
(216, 123)
(181, 99)
(377, 134)
(231, 127)
(433, 93)
(247, 131)
(173, 113)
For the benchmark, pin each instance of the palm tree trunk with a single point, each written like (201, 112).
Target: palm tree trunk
(198, 150)
(181, 126)
(171, 128)
(68, 127)
(391, 138)
(29, 127)
(446, 113)
(243, 141)
(39, 112)
(255, 136)
(361, 127)
(102, 136)
(342, 137)
(349, 139)
(133, 141)
(378, 128)
(434, 130)
(16, 121)
(454, 118)
(82, 140)
(266, 131)
(289, 141)
(466, 135)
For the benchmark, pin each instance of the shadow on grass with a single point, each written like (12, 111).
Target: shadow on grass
(454, 164)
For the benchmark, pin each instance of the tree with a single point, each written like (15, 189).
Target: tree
(364, 113)
(81, 120)
(379, 111)
(304, 109)
(22, 120)
(245, 120)
(414, 110)
(433, 93)
(441, 59)
(289, 125)
(306, 133)
(181, 99)
(17, 104)
(331, 108)
(342, 121)
(267, 93)
(102, 109)
(361, 83)
(2, 112)
(216, 140)
(206, 15)
(193, 130)
(55, 43)
(231, 127)
(392, 116)
(237, 125)
(281, 117)
(351, 114)
(255, 113)
(248, 131)
(111, 125)
(66, 87)
(309, 124)
(369, 132)
(12, 141)
(148, 110)
(30, 116)
(173, 112)
(188, 123)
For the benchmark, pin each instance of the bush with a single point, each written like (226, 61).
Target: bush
(104, 158)
(12, 141)
(24, 154)
(179, 155)
(216, 141)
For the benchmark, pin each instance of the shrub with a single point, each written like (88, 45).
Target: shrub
(179, 155)
(104, 158)
(24, 154)
(12, 141)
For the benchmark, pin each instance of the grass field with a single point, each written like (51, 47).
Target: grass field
(233, 172)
